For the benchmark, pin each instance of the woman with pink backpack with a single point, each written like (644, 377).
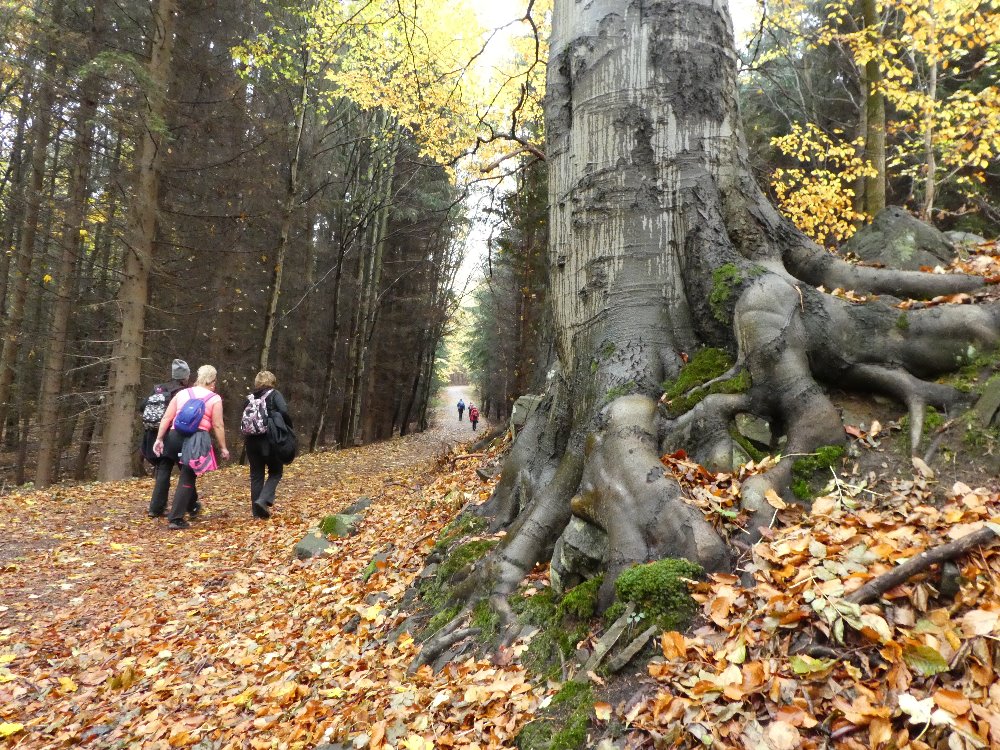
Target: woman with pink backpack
(473, 416)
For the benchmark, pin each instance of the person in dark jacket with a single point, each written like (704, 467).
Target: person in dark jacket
(260, 452)
(461, 408)
(163, 466)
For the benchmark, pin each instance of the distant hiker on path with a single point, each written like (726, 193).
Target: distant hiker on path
(153, 409)
(185, 427)
(473, 416)
(461, 409)
(263, 407)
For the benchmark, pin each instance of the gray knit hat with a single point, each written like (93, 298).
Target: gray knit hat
(179, 370)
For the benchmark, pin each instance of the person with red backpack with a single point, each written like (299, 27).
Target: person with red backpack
(473, 415)
(263, 407)
(183, 438)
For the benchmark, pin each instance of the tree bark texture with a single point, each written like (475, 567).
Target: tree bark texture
(49, 445)
(141, 233)
(652, 207)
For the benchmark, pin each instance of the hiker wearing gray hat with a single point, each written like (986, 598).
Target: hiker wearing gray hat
(153, 409)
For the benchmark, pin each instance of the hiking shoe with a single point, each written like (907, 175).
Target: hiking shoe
(261, 511)
(178, 525)
(151, 514)
(195, 508)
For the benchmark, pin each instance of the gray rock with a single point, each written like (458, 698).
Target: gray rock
(577, 555)
(898, 240)
(989, 403)
(339, 524)
(754, 428)
(313, 544)
(968, 239)
(486, 473)
(362, 503)
(524, 407)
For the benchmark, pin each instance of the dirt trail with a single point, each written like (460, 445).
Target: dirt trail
(115, 631)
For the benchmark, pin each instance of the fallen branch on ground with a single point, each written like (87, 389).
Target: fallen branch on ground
(879, 585)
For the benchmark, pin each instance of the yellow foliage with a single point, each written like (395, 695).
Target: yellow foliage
(958, 114)
(817, 196)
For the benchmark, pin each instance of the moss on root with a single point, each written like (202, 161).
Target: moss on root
(660, 592)
(564, 723)
(562, 623)
(811, 473)
(704, 365)
(725, 279)
(464, 555)
(462, 525)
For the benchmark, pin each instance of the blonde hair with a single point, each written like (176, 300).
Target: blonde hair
(265, 378)
(206, 375)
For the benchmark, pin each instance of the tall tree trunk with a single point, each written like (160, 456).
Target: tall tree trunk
(874, 119)
(329, 370)
(930, 161)
(288, 212)
(141, 232)
(373, 275)
(41, 136)
(49, 447)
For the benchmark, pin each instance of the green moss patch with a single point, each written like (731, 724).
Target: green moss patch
(704, 365)
(811, 473)
(564, 722)
(725, 279)
(660, 592)
(561, 624)
(581, 602)
(464, 555)
(463, 525)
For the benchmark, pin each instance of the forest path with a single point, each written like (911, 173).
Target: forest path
(115, 632)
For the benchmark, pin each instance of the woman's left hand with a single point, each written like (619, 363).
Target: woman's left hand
(225, 454)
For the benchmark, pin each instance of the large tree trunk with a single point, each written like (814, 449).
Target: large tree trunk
(49, 443)
(662, 243)
(134, 291)
(874, 186)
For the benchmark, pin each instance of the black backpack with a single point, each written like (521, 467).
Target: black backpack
(280, 435)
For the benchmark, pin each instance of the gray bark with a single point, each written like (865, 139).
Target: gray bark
(651, 195)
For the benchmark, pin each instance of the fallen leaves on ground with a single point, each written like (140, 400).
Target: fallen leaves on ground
(791, 663)
(115, 632)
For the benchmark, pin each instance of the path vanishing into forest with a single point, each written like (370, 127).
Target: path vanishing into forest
(115, 632)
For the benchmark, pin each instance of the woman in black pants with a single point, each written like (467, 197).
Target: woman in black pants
(260, 453)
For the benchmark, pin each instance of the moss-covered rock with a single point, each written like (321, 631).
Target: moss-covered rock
(811, 473)
(339, 524)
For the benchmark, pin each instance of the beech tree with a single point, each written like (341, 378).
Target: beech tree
(661, 244)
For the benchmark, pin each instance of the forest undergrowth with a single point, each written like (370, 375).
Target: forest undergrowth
(116, 633)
